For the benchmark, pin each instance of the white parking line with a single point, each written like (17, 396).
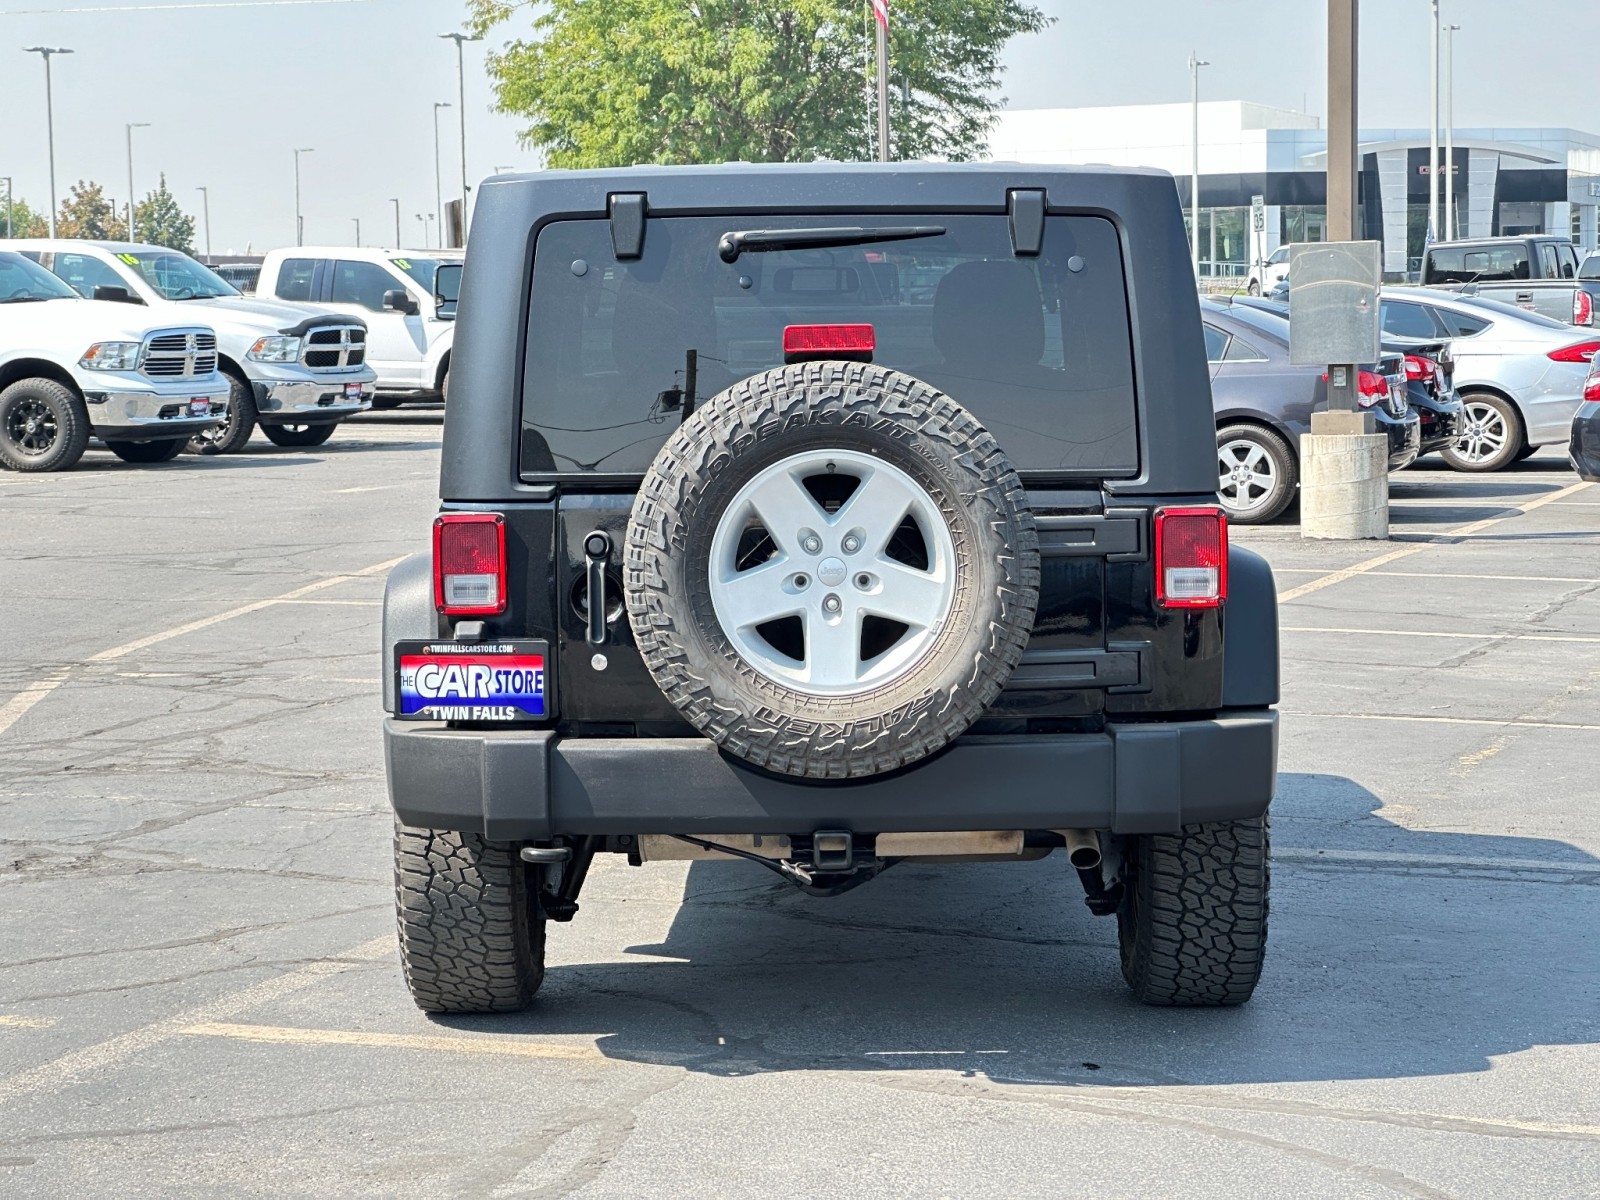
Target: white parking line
(243, 610)
(14, 709)
(70, 1068)
(17, 1021)
(1371, 564)
(1481, 635)
(1497, 722)
(1433, 860)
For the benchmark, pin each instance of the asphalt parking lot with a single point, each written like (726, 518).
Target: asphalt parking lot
(198, 986)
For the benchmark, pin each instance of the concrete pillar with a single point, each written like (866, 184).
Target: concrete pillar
(1587, 227)
(1558, 218)
(1344, 478)
(1483, 175)
(1272, 237)
(1392, 181)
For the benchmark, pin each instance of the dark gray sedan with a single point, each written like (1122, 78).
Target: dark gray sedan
(1263, 404)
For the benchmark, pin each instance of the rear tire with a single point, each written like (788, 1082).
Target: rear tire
(1273, 473)
(1498, 436)
(1254, 289)
(471, 930)
(298, 435)
(44, 426)
(1193, 921)
(161, 451)
(230, 437)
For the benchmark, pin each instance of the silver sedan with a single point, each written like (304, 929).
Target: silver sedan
(1520, 376)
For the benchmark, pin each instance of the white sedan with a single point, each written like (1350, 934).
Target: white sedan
(1520, 376)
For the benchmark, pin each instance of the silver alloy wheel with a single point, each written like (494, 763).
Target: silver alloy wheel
(216, 434)
(1485, 434)
(1247, 479)
(833, 572)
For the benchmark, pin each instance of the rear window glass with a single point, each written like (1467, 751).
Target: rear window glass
(1478, 264)
(1037, 348)
(1590, 268)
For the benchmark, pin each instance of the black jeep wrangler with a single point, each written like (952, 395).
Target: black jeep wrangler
(827, 517)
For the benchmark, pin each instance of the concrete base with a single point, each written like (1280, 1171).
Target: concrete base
(1344, 485)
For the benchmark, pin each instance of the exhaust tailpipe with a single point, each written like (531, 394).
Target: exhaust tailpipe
(1083, 848)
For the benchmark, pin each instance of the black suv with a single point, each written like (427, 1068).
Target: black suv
(829, 517)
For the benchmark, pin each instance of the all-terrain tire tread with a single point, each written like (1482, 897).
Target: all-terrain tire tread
(850, 393)
(469, 941)
(1194, 923)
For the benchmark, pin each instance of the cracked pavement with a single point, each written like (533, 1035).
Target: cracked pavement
(199, 994)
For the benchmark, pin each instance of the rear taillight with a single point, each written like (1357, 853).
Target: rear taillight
(1371, 388)
(1582, 352)
(1191, 557)
(1591, 385)
(1582, 308)
(469, 564)
(1418, 367)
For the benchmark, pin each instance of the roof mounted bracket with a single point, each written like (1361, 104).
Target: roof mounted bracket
(627, 211)
(1025, 207)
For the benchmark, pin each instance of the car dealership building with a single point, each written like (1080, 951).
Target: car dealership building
(1506, 180)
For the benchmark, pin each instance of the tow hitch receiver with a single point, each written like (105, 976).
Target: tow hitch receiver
(833, 852)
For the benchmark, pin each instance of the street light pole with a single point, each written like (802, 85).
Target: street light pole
(299, 221)
(1433, 128)
(1450, 131)
(1194, 161)
(49, 119)
(205, 202)
(357, 220)
(461, 104)
(880, 10)
(398, 240)
(129, 128)
(11, 230)
(438, 179)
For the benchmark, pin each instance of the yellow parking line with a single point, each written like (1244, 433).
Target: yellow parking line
(1371, 564)
(18, 1021)
(286, 1035)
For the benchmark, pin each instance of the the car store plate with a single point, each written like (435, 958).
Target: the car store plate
(472, 681)
(352, 391)
(200, 407)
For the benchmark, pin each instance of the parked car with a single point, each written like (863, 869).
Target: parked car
(1263, 405)
(294, 370)
(1265, 276)
(1430, 372)
(735, 562)
(1536, 273)
(1584, 447)
(1520, 375)
(70, 368)
(411, 324)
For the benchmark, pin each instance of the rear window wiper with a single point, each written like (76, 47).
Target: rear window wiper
(756, 241)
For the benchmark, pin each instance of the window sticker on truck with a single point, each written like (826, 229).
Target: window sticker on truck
(455, 681)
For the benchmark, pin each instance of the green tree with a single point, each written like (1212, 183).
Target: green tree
(86, 213)
(615, 82)
(158, 220)
(24, 221)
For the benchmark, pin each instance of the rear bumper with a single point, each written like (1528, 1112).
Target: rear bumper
(517, 785)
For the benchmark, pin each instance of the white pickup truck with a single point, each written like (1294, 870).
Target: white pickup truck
(70, 368)
(410, 317)
(293, 369)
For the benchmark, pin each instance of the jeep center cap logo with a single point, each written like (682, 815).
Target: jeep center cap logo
(831, 571)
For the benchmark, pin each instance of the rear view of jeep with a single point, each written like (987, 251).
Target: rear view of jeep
(828, 518)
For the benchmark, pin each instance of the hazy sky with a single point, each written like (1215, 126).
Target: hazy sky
(229, 94)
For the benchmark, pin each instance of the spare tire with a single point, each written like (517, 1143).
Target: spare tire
(831, 569)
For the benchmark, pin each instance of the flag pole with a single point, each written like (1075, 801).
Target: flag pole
(880, 9)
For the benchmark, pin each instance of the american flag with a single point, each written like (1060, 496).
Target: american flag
(880, 9)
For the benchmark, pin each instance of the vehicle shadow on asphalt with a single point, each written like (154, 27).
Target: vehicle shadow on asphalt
(1404, 954)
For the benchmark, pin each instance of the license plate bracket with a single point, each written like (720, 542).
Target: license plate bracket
(200, 406)
(499, 682)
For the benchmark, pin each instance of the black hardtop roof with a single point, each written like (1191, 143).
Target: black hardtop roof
(1171, 375)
